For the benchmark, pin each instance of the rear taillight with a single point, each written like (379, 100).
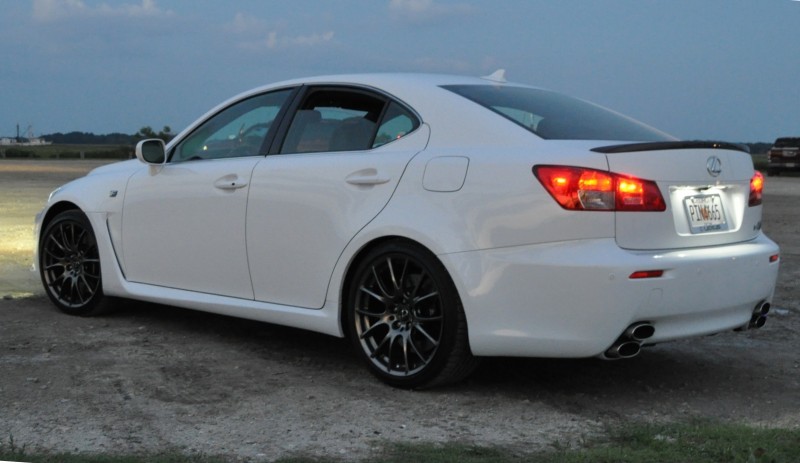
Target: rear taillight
(756, 189)
(578, 188)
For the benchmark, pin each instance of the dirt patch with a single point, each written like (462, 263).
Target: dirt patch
(152, 377)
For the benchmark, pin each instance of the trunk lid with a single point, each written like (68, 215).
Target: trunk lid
(706, 187)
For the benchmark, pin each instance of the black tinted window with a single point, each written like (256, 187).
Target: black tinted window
(334, 120)
(552, 115)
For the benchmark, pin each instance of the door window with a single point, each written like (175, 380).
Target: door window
(239, 130)
(334, 120)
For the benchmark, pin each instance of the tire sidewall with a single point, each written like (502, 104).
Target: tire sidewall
(80, 218)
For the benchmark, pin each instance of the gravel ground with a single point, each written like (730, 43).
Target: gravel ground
(157, 378)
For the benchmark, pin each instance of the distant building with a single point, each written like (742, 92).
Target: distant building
(23, 142)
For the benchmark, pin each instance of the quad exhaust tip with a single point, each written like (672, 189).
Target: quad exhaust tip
(630, 343)
(759, 317)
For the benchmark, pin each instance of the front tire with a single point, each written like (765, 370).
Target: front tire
(405, 319)
(69, 264)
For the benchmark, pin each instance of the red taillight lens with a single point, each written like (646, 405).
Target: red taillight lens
(578, 188)
(756, 189)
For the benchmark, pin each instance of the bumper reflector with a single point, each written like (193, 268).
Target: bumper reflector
(641, 274)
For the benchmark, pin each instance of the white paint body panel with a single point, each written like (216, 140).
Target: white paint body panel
(305, 208)
(182, 228)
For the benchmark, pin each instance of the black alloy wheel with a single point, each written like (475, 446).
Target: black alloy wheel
(405, 319)
(69, 264)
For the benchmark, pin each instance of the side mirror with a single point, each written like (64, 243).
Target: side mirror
(151, 151)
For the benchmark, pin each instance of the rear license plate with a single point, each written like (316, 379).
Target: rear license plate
(705, 213)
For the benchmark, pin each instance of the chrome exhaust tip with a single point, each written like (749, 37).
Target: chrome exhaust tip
(640, 331)
(757, 321)
(759, 317)
(762, 308)
(623, 350)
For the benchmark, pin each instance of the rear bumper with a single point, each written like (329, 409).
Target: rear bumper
(792, 165)
(574, 299)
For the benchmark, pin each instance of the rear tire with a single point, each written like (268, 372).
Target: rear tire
(69, 265)
(405, 319)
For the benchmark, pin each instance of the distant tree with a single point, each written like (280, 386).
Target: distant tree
(85, 138)
(148, 132)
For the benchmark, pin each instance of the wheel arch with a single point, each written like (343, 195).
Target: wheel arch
(54, 210)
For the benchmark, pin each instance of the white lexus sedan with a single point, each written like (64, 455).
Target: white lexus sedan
(431, 219)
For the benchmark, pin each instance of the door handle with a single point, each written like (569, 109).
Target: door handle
(230, 182)
(367, 180)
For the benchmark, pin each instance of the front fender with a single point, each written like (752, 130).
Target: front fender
(99, 195)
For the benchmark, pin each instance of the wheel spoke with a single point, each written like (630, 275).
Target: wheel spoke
(372, 328)
(391, 274)
(429, 319)
(77, 285)
(379, 283)
(401, 281)
(54, 265)
(416, 351)
(58, 245)
(405, 354)
(381, 299)
(89, 288)
(381, 344)
(392, 338)
(417, 286)
(422, 298)
(425, 333)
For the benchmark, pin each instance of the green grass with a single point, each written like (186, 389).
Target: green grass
(696, 442)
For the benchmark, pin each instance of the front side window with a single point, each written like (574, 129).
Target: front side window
(239, 130)
(552, 115)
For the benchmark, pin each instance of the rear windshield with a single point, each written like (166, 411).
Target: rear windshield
(552, 115)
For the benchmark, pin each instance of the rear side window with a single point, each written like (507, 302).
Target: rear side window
(551, 115)
(396, 123)
(331, 119)
(334, 120)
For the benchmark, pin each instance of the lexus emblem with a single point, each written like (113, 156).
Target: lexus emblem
(714, 166)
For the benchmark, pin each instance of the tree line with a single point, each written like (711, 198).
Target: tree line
(116, 138)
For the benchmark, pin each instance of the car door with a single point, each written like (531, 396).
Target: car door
(183, 224)
(339, 163)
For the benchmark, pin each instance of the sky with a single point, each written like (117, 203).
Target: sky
(697, 69)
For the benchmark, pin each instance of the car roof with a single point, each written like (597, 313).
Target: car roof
(400, 84)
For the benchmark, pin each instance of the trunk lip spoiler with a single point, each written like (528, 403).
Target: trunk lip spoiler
(670, 145)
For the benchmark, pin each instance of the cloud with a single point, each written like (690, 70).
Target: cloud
(427, 10)
(256, 35)
(57, 10)
(245, 24)
(277, 41)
